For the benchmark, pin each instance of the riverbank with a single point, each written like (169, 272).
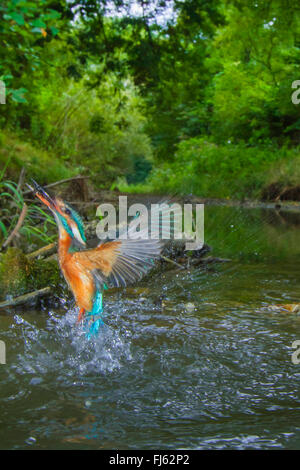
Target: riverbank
(241, 171)
(197, 348)
(25, 284)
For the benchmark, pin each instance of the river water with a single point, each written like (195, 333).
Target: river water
(194, 359)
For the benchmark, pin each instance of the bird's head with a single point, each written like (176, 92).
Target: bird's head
(66, 217)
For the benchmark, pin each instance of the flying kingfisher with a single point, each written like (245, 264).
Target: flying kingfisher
(89, 271)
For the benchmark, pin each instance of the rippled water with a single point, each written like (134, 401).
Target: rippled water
(198, 361)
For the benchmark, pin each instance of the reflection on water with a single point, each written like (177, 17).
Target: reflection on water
(198, 362)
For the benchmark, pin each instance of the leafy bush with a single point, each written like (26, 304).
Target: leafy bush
(12, 203)
(227, 171)
(45, 166)
(99, 131)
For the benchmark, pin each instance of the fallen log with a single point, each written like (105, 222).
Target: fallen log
(22, 299)
(45, 250)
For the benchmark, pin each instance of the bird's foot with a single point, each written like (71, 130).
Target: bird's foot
(80, 315)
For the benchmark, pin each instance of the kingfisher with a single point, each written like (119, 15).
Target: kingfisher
(88, 272)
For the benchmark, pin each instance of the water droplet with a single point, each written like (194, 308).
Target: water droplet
(18, 319)
(35, 381)
(31, 440)
(190, 307)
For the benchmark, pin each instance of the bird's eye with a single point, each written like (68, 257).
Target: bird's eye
(67, 211)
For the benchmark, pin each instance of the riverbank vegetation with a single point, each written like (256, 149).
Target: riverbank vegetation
(151, 96)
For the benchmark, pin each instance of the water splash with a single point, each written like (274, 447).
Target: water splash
(62, 347)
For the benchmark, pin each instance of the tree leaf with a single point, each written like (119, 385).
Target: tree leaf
(18, 95)
(38, 23)
(15, 16)
(54, 30)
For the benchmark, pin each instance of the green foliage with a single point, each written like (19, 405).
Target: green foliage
(255, 59)
(11, 204)
(197, 90)
(42, 165)
(141, 169)
(24, 26)
(227, 171)
(99, 130)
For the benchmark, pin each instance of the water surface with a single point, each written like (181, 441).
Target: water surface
(196, 360)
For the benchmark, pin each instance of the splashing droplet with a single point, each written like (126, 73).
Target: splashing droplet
(31, 440)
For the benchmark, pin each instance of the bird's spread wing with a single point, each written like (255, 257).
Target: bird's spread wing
(120, 262)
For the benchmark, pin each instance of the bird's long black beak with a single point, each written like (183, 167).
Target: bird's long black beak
(42, 195)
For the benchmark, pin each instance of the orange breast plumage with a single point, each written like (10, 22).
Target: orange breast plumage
(81, 283)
